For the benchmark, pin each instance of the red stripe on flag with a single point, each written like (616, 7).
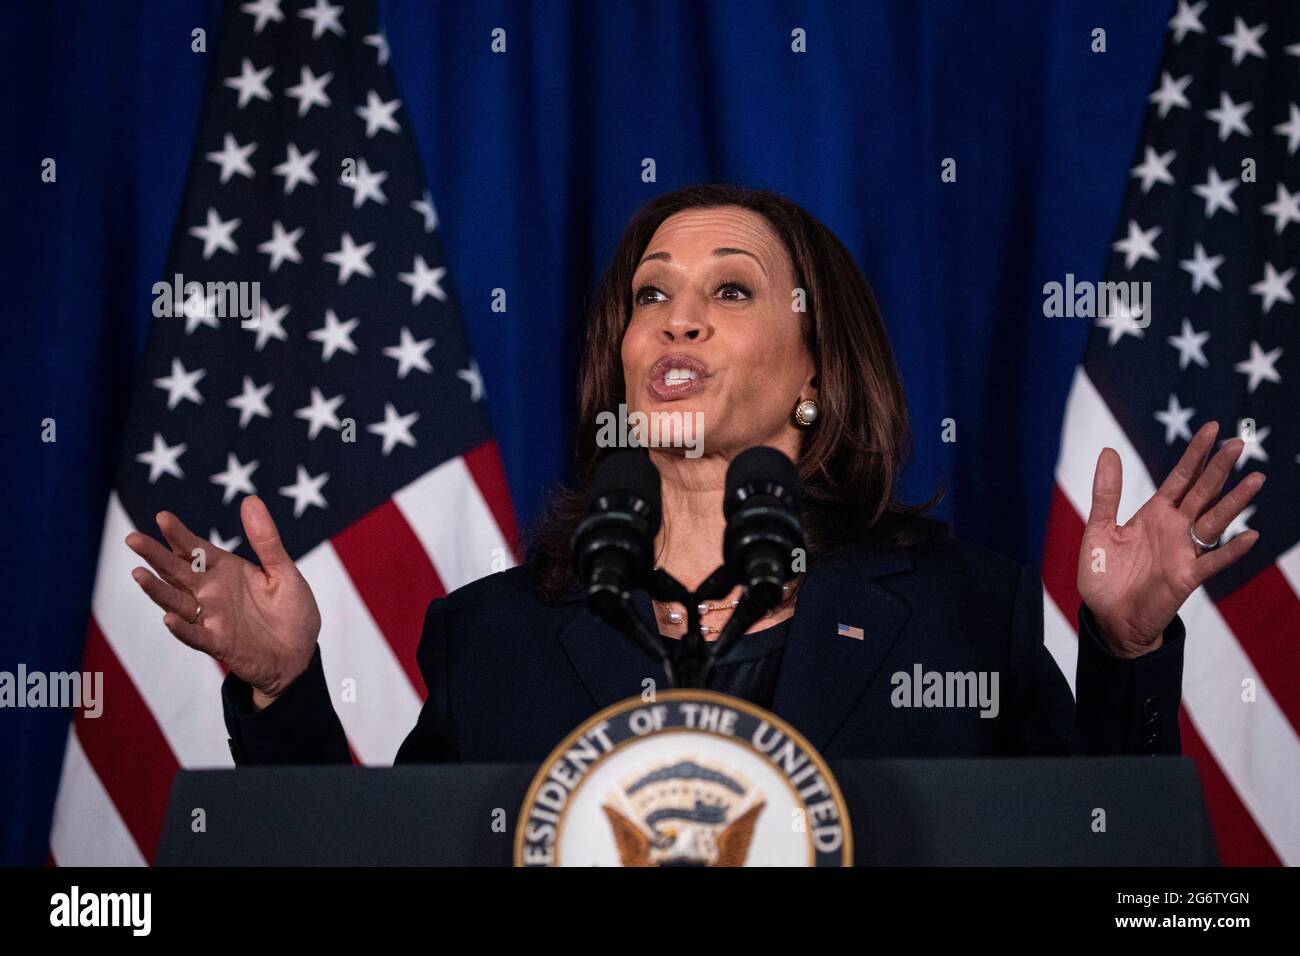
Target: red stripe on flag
(395, 578)
(1061, 555)
(1265, 617)
(129, 753)
(1239, 839)
(484, 464)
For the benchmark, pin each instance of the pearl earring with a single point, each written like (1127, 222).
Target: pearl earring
(805, 413)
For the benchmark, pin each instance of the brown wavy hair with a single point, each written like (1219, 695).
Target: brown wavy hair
(850, 459)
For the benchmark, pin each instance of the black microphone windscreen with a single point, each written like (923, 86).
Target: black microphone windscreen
(761, 467)
(629, 471)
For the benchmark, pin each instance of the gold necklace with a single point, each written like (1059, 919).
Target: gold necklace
(705, 607)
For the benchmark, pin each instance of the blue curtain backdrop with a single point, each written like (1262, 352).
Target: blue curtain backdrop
(534, 159)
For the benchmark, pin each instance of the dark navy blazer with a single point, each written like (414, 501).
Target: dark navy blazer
(509, 675)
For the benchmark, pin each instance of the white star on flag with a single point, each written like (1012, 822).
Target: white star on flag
(296, 168)
(321, 413)
(1139, 244)
(200, 310)
(1171, 93)
(380, 43)
(251, 402)
(250, 84)
(1154, 169)
(424, 206)
(1239, 524)
(474, 378)
(1189, 343)
(181, 385)
(334, 336)
(310, 91)
(270, 325)
(410, 353)
(1175, 419)
(263, 11)
(1291, 130)
(236, 479)
(1284, 209)
(1230, 116)
(1204, 269)
(351, 258)
(282, 246)
(323, 17)
(162, 459)
(1244, 40)
(424, 281)
(378, 114)
(365, 184)
(1187, 19)
(225, 544)
(1260, 367)
(1273, 288)
(305, 491)
(233, 158)
(1217, 193)
(1253, 450)
(394, 429)
(1123, 321)
(216, 234)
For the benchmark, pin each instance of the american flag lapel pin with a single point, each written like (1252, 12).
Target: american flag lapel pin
(848, 630)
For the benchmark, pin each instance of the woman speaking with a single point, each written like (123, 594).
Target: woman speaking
(739, 310)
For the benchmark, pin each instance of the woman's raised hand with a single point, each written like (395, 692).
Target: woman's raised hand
(1136, 576)
(261, 622)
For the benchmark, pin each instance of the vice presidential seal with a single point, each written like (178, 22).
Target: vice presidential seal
(692, 778)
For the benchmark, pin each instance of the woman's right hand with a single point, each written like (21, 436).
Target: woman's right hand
(261, 622)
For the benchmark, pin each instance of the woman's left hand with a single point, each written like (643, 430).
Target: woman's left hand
(1146, 569)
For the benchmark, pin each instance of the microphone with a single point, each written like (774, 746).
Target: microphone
(613, 544)
(761, 504)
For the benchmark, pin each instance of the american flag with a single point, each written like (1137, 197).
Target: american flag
(351, 405)
(1210, 219)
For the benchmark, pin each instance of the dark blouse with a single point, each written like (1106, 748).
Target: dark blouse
(750, 669)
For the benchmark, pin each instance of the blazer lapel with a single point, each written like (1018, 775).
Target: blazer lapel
(610, 666)
(823, 674)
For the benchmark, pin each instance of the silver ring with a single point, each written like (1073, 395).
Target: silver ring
(1191, 530)
(199, 610)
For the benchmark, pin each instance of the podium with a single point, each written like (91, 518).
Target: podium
(906, 812)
